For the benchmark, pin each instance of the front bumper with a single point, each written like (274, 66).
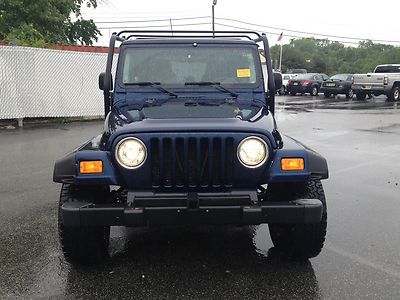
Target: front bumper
(144, 209)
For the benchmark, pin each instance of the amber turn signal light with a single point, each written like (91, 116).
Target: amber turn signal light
(292, 164)
(91, 167)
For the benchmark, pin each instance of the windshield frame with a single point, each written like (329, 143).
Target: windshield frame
(130, 87)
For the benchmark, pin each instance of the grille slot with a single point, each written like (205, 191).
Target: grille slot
(216, 162)
(191, 162)
(168, 158)
(180, 162)
(204, 154)
(155, 161)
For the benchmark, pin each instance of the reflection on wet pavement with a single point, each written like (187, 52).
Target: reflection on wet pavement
(157, 263)
(305, 103)
(194, 262)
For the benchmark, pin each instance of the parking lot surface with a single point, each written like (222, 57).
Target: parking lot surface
(360, 260)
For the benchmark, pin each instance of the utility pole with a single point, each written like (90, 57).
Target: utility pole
(212, 14)
(170, 23)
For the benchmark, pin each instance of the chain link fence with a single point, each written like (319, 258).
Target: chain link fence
(50, 83)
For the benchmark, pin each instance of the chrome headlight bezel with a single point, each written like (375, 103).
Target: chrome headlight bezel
(262, 142)
(117, 156)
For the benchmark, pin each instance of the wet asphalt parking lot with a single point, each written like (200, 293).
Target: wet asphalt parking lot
(360, 260)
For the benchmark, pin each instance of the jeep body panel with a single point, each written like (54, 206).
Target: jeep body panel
(192, 172)
(67, 169)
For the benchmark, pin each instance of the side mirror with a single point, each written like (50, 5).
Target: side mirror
(102, 76)
(102, 82)
(278, 80)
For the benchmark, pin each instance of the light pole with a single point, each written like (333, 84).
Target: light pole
(212, 13)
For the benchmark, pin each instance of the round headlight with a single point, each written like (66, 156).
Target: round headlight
(252, 152)
(131, 153)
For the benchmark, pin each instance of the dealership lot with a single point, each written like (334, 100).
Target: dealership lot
(360, 259)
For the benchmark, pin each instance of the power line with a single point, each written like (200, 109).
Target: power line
(342, 39)
(155, 20)
(154, 26)
(274, 33)
(308, 33)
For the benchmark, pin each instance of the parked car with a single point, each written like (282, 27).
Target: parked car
(338, 84)
(306, 83)
(385, 80)
(285, 81)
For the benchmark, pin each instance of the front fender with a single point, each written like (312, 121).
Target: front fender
(66, 169)
(316, 167)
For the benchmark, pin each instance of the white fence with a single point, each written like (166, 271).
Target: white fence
(49, 83)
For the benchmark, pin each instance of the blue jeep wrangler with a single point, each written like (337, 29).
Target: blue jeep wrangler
(190, 138)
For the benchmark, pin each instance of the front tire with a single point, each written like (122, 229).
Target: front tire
(282, 90)
(84, 244)
(299, 241)
(292, 94)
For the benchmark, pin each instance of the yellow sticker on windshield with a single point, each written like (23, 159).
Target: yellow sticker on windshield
(240, 73)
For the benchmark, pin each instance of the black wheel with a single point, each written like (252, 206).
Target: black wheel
(82, 245)
(361, 95)
(394, 94)
(314, 91)
(292, 94)
(299, 241)
(281, 91)
(327, 95)
(350, 94)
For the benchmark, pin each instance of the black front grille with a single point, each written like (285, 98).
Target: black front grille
(187, 162)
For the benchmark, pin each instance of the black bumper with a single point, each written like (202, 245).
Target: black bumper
(195, 211)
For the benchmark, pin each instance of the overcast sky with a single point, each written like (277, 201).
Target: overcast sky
(375, 20)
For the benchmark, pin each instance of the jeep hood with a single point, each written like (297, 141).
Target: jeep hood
(262, 123)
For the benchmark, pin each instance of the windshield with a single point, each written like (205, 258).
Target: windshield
(189, 64)
(342, 77)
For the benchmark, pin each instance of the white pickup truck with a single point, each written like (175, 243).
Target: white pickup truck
(385, 80)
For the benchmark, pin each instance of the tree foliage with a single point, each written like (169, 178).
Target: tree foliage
(330, 57)
(40, 22)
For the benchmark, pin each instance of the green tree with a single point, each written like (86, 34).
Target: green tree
(41, 22)
(331, 58)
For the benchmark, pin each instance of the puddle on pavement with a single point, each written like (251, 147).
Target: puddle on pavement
(180, 262)
(305, 104)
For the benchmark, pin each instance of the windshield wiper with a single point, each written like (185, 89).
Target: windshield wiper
(216, 85)
(229, 101)
(154, 84)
